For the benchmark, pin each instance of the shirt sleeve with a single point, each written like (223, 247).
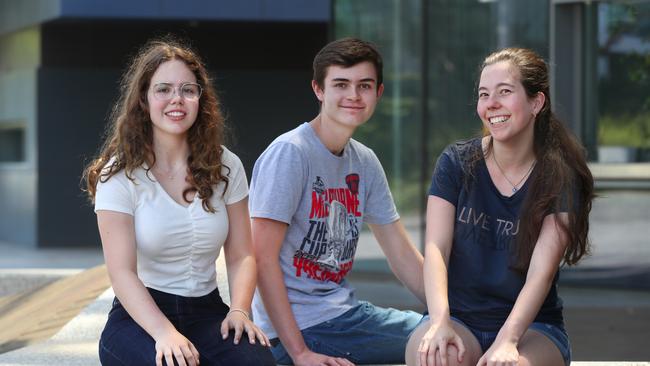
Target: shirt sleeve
(277, 183)
(446, 182)
(115, 194)
(237, 182)
(380, 207)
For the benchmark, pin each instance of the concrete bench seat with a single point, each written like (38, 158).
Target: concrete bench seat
(75, 344)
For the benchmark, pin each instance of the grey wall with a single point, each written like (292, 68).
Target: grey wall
(19, 60)
(73, 105)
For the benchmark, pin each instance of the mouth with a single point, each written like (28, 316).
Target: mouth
(498, 119)
(175, 114)
(352, 107)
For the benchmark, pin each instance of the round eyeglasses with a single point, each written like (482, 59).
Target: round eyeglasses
(188, 91)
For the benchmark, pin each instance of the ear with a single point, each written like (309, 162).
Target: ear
(144, 105)
(317, 90)
(539, 99)
(380, 90)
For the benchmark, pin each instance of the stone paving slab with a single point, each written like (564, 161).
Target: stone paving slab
(74, 345)
(36, 315)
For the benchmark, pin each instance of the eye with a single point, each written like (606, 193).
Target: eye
(505, 91)
(340, 85)
(162, 88)
(365, 86)
(190, 90)
(482, 95)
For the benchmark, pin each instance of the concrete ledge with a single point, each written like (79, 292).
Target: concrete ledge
(635, 176)
(75, 344)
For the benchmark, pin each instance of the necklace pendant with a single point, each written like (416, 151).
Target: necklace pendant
(514, 189)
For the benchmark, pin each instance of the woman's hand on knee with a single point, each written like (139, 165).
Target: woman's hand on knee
(500, 354)
(173, 345)
(440, 338)
(240, 323)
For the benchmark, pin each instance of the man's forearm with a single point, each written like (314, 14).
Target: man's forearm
(408, 269)
(276, 301)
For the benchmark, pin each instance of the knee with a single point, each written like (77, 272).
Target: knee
(523, 361)
(411, 354)
(452, 357)
(413, 357)
(251, 355)
(116, 354)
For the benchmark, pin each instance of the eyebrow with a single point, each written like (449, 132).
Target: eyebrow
(498, 86)
(366, 80)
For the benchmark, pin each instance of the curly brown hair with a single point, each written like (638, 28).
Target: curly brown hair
(129, 135)
(561, 180)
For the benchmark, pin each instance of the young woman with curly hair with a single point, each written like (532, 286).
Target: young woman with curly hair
(168, 195)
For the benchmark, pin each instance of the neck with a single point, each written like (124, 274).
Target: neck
(333, 135)
(513, 155)
(170, 150)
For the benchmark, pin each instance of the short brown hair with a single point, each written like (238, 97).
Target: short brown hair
(346, 52)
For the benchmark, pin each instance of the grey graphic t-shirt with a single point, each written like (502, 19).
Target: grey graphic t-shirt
(325, 199)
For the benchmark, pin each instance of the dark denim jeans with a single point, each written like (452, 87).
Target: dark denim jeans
(364, 334)
(123, 342)
(555, 333)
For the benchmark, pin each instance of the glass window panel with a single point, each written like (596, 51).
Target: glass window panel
(623, 82)
(12, 144)
(394, 130)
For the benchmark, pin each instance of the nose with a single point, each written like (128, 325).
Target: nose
(176, 97)
(493, 102)
(353, 93)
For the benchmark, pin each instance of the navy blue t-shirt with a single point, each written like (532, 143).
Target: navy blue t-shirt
(482, 286)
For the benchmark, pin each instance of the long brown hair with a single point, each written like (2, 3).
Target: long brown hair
(129, 136)
(561, 180)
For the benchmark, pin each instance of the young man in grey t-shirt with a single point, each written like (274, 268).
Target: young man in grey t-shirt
(311, 190)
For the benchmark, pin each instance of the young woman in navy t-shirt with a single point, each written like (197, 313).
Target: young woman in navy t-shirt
(504, 211)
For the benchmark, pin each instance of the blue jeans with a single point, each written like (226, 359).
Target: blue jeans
(363, 334)
(124, 342)
(556, 334)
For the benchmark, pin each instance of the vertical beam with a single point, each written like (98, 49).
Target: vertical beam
(573, 57)
(589, 135)
(397, 100)
(425, 169)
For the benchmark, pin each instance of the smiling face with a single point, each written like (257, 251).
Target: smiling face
(176, 115)
(350, 94)
(503, 105)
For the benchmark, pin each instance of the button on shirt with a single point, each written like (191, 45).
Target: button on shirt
(176, 246)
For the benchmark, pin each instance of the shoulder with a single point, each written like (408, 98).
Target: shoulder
(110, 173)
(465, 148)
(228, 157)
(461, 152)
(299, 136)
(292, 145)
(364, 152)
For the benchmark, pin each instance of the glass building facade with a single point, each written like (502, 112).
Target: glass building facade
(599, 54)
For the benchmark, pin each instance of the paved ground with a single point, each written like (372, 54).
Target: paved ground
(606, 297)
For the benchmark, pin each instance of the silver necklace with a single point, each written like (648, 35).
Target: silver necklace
(515, 187)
